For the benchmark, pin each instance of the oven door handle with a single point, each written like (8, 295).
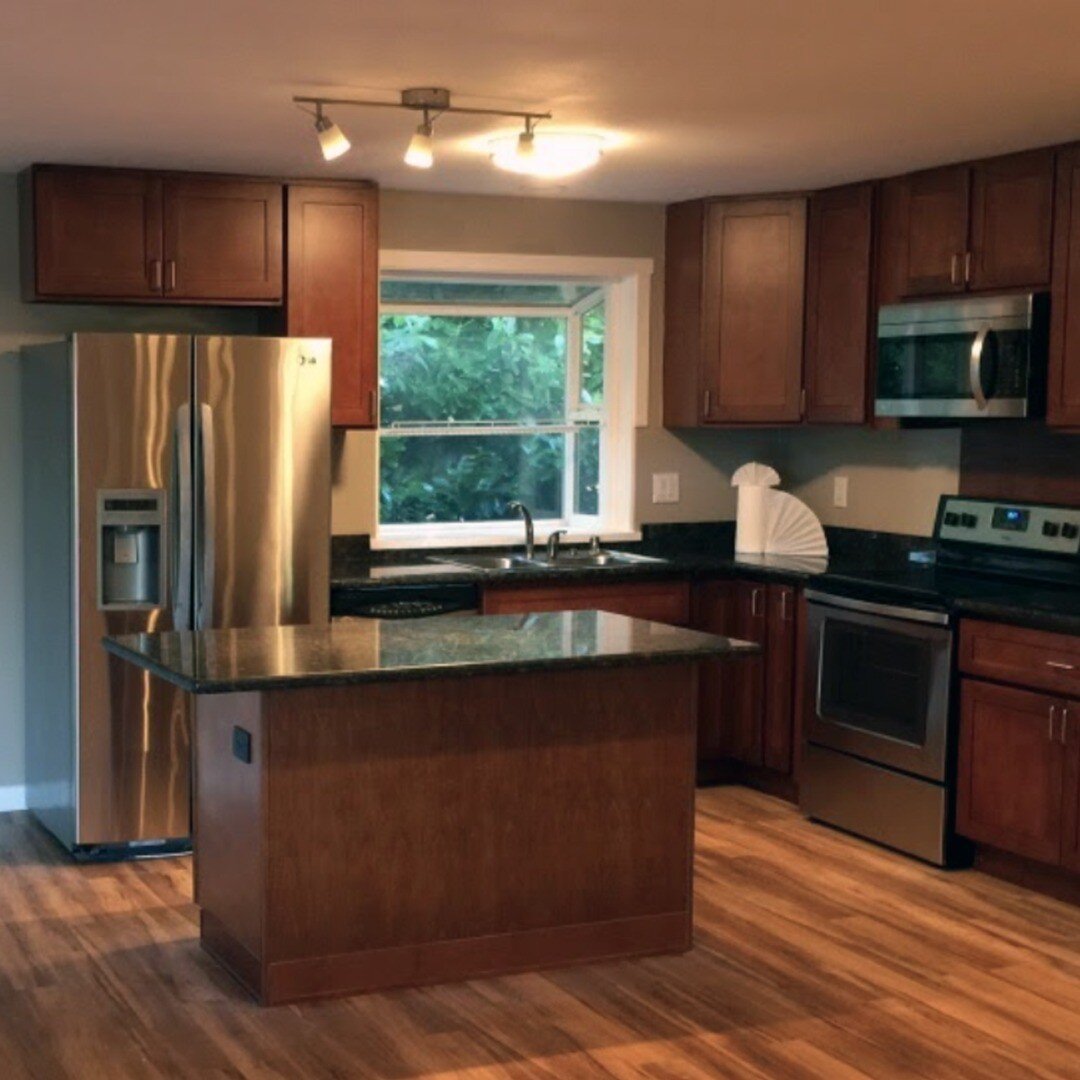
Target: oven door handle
(935, 618)
(978, 391)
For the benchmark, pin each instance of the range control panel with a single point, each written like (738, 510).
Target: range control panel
(1030, 527)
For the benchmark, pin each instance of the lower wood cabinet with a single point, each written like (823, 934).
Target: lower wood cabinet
(747, 709)
(658, 601)
(1011, 786)
(333, 244)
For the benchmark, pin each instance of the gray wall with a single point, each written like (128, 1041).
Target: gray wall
(895, 477)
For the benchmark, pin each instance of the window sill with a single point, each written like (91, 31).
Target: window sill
(429, 540)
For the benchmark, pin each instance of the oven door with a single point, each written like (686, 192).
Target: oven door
(879, 680)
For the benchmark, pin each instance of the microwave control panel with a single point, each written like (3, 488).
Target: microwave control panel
(1029, 527)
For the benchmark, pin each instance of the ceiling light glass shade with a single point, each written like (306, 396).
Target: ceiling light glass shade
(332, 139)
(553, 153)
(421, 151)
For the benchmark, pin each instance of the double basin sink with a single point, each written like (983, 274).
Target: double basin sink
(565, 560)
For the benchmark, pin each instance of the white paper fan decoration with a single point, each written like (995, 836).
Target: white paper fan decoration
(753, 472)
(791, 527)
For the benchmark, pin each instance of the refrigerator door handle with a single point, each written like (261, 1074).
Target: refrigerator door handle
(204, 616)
(180, 516)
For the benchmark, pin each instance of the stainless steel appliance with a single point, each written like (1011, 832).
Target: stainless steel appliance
(170, 482)
(880, 733)
(969, 359)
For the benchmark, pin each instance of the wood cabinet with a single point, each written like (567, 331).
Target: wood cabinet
(333, 244)
(222, 240)
(1039, 659)
(734, 314)
(125, 235)
(837, 348)
(747, 710)
(659, 601)
(1012, 769)
(1063, 389)
(972, 227)
(92, 234)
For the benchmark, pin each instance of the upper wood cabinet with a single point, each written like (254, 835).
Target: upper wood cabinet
(106, 234)
(1063, 389)
(91, 234)
(222, 240)
(978, 227)
(838, 301)
(333, 246)
(734, 312)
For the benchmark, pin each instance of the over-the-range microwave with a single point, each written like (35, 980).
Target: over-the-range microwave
(966, 359)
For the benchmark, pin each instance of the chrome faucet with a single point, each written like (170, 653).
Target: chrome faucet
(523, 510)
(553, 544)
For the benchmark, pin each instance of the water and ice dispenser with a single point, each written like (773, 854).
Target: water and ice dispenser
(131, 549)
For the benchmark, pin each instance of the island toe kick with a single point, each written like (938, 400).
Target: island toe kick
(355, 838)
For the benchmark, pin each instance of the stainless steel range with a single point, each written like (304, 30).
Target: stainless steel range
(879, 754)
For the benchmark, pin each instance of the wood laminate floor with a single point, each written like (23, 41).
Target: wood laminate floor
(816, 956)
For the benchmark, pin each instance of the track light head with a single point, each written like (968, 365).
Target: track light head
(421, 150)
(332, 139)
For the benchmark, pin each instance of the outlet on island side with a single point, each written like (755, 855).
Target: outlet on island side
(840, 491)
(665, 487)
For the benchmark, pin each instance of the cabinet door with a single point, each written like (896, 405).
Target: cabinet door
(334, 289)
(778, 714)
(222, 240)
(96, 234)
(753, 311)
(684, 249)
(1063, 391)
(714, 613)
(1011, 770)
(838, 304)
(1070, 737)
(1012, 211)
(744, 700)
(935, 230)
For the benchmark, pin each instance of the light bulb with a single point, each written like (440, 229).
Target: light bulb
(332, 139)
(553, 154)
(526, 146)
(421, 151)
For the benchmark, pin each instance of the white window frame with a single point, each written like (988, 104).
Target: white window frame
(627, 283)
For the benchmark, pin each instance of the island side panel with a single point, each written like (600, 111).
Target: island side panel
(229, 833)
(448, 828)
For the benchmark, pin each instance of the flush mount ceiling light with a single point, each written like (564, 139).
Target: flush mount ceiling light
(547, 154)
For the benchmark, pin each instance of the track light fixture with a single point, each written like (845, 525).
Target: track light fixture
(546, 154)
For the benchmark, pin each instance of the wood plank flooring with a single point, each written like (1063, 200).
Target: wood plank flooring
(816, 956)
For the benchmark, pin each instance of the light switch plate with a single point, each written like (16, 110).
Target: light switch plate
(665, 487)
(840, 491)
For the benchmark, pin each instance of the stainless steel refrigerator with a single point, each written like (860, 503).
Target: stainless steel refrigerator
(170, 482)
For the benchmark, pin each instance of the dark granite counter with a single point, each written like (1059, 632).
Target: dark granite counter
(859, 560)
(222, 661)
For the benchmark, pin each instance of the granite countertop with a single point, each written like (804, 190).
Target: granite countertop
(221, 661)
(859, 560)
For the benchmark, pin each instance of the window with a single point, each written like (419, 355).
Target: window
(498, 387)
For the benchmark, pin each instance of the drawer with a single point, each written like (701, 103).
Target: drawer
(1014, 654)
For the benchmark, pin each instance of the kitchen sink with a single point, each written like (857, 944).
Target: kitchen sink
(566, 560)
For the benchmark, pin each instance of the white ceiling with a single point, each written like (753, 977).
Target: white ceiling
(702, 96)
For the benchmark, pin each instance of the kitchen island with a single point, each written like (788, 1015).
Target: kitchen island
(384, 804)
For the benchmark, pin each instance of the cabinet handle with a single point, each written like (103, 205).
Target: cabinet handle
(155, 275)
(1050, 726)
(967, 267)
(784, 606)
(954, 269)
(1060, 665)
(374, 400)
(708, 404)
(1064, 725)
(170, 275)
(755, 595)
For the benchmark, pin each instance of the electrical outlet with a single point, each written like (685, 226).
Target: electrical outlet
(665, 487)
(840, 491)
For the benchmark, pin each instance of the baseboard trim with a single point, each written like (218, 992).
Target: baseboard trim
(12, 797)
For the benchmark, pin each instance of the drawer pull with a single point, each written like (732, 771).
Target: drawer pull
(1064, 725)
(1050, 724)
(1060, 665)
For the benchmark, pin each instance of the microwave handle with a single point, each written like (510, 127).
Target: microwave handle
(978, 392)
